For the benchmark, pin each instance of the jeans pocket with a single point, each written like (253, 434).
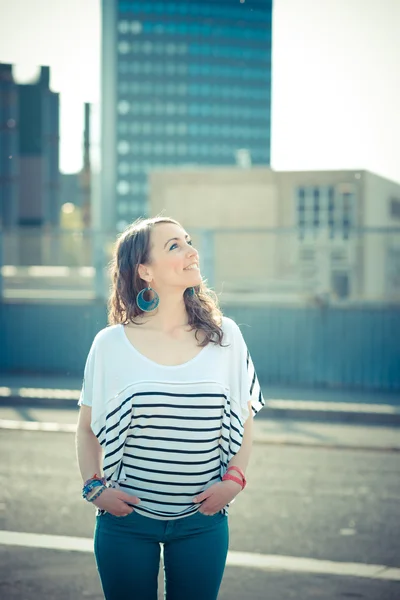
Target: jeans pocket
(219, 513)
(120, 518)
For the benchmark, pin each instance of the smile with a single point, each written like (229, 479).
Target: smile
(193, 266)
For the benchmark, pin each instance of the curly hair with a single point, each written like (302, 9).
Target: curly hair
(133, 248)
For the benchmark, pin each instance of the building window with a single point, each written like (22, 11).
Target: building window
(123, 188)
(301, 208)
(123, 107)
(123, 47)
(122, 128)
(123, 168)
(182, 128)
(326, 208)
(395, 208)
(136, 27)
(316, 206)
(170, 48)
(123, 26)
(121, 225)
(123, 147)
(393, 270)
(147, 47)
(122, 208)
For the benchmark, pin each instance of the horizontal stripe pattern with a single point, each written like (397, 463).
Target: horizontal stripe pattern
(167, 436)
(165, 444)
(255, 393)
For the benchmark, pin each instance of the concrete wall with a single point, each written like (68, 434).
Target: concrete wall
(225, 199)
(287, 183)
(376, 213)
(218, 199)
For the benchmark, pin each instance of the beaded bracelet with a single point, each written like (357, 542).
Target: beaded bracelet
(95, 478)
(96, 494)
(91, 486)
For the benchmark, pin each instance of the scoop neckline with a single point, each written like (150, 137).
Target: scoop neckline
(152, 362)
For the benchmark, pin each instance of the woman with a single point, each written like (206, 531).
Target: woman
(169, 394)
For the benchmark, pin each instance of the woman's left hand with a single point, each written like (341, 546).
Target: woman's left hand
(217, 496)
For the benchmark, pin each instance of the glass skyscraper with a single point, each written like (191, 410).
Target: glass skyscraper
(184, 83)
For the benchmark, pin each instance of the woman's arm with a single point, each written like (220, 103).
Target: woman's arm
(90, 455)
(88, 450)
(220, 494)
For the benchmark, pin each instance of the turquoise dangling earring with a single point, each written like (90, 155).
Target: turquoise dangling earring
(191, 291)
(147, 305)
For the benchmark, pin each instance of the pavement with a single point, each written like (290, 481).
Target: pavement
(277, 432)
(323, 477)
(380, 408)
(313, 523)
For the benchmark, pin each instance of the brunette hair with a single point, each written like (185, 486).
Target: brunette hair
(133, 248)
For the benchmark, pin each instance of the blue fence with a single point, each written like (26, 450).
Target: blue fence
(348, 347)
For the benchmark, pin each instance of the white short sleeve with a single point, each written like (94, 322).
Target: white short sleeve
(95, 386)
(248, 387)
(86, 396)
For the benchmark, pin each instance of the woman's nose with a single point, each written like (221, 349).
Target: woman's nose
(192, 251)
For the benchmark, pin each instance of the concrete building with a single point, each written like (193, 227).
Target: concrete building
(38, 122)
(183, 83)
(289, 235)
(29, 165)
(9, 142)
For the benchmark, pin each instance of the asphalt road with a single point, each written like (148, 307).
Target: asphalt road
(325, 504)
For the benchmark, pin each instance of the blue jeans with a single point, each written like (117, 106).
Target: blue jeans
(127, 551)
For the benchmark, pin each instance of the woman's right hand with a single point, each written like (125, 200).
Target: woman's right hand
(115, 502)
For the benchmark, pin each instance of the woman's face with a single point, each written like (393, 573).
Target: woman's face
(174, 261)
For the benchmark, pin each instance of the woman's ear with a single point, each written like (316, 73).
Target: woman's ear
(144, 273)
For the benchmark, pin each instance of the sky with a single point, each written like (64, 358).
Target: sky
(335, 77)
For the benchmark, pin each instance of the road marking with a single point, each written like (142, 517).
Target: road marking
(26, 392)
(46, 393)
(37, 426)
(48, 294)
(297, 440)
(311, 565)
(46, 271)
(250, 560)
(350, 407)
(52, 542)
(280, 404)
(259, 437)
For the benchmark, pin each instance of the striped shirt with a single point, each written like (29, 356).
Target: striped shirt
(168, 432)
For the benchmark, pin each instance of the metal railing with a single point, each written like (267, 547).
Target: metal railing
(272, 265)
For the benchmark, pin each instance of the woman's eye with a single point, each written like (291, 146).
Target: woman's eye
(176, 245)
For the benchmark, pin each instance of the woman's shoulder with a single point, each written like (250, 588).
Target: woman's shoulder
(105, 336)
(230, 329)
(228, 325)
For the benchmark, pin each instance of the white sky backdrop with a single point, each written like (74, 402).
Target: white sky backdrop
(335, 81)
